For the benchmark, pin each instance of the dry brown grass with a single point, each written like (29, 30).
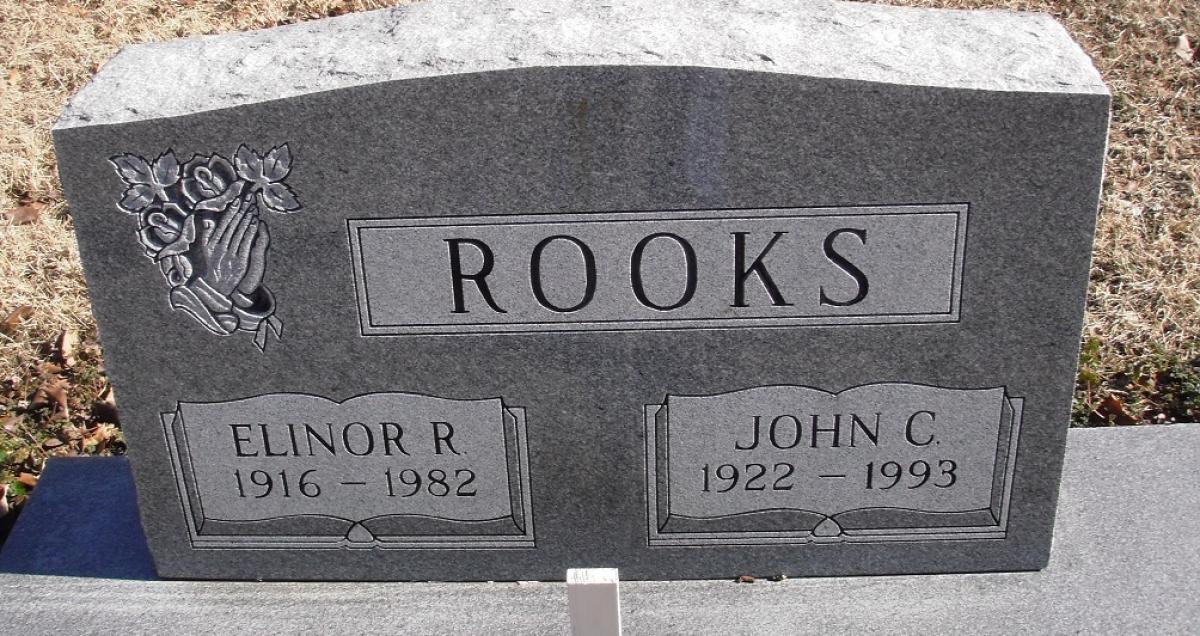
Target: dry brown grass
(50, 49)
(1141, 358)
(1143, 325)
(1145, 297)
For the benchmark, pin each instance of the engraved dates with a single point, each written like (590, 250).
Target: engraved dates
(383, 470)
(789, 464)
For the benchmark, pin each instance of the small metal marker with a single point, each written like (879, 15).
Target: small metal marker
(594, 601)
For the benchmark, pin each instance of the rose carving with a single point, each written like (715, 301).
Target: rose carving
(166, 230)
(211, 182)
(202, 223)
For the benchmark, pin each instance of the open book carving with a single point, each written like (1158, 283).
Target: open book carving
(382, 470)
(792, 464)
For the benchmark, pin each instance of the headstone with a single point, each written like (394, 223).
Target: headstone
(484, 291)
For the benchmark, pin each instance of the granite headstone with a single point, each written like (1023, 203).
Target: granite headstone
(489, 290)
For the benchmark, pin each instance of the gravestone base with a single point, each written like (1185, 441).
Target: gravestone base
(1123, 560)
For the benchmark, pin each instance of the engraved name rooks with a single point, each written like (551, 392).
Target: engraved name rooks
(692, 269)
(742, 271)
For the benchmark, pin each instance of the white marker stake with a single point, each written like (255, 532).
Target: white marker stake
(594, 601)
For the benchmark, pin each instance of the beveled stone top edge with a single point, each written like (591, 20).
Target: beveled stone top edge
(982, 50)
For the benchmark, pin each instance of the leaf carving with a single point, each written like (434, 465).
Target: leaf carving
(249, 165)
(132, 168)
(166, 170)
(280, 198)
(146, 182)
(277, 164)
(137, 198)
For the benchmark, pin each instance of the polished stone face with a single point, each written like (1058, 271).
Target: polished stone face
(687, 320)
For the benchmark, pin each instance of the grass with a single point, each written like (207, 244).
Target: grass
(1141, 356)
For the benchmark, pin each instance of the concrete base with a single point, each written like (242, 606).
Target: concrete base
(1124, 559)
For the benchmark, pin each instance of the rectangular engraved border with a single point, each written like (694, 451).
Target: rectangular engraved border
(367, 326)
(193, 509)
(1006, 448)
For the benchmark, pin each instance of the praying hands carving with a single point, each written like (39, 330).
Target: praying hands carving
(201, 222)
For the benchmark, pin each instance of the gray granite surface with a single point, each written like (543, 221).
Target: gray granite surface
(688, 312)
(985, 50)
(1124, 561)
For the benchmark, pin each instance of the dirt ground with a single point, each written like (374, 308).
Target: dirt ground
(1141, 350)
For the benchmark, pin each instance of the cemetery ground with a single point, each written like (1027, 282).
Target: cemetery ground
(1140, 360)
